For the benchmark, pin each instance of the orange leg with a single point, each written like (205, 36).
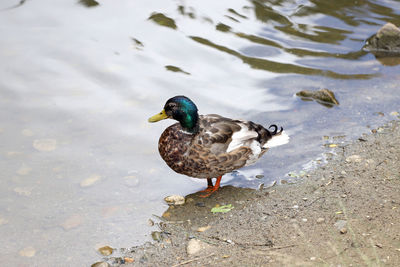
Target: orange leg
(210, 188)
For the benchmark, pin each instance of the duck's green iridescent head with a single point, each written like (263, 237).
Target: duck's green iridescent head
(182, 109)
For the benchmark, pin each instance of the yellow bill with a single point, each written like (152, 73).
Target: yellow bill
(160, 116)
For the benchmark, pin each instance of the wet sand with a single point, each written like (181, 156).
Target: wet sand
(345, 213)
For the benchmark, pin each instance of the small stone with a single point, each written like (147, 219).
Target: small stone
(343, 172)
(320, 220)
(295, 207)
(304, 220)
(28, 252)
(204, 228)
(100, 264)
(24, 170)
(339, 224)
(354, 158)
(128, 260)
(45, 145)
(313, 258)
(175, 200)
(150, 222)
(90, 181)
(195, 246)
(343, 230)
(156, 235)
(3, 221)
(259, 176)
(27, 132)
(72, 222)
(23, 191)
(305, 199)
(106, 250)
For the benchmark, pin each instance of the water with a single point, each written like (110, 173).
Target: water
(80, 166)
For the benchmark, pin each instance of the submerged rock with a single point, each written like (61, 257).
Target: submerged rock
(90, 181)
(324, 97)
(100, 264)
(106, 250)
(45, 145)
(27, 252)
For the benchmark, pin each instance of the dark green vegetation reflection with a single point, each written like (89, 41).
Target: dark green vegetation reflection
(336, 28)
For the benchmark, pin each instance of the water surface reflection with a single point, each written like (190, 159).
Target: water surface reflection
(80, 166)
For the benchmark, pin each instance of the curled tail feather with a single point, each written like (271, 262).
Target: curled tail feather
(278, 137)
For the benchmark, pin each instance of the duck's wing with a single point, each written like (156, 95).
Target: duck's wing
(221, 145)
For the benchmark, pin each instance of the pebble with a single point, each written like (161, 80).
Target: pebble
(195, 246)
(313, 258)
(339, 224)
(24, 170)
(23, 191)
(45, 145)
(106, 250)
(90, 181)
(28, 252)
(304, 220)
(175, 200)
(100, 264)
(343, 230)
(150, 222)
(204, 228)
(129, 260)
(3, 221)
(72, 222)
(354, 158)
(259, 176)
(27, 132)
(156, 235)
(320, 220)
(295, 207)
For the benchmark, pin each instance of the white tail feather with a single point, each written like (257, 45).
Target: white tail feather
(277, 140)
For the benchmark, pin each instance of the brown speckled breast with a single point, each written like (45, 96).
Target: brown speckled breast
(173, 145)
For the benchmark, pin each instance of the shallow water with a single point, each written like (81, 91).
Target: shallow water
(80, 166)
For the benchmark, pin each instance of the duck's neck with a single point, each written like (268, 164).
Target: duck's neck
(190, 123)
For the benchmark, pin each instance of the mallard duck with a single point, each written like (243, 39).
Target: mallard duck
(208, 146)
